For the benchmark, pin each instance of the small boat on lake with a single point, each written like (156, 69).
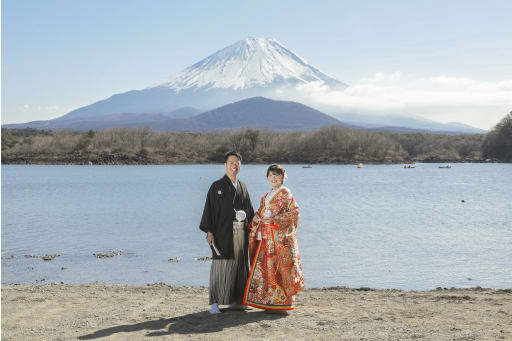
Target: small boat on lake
(360, 165)
(409, 166)
(307, 166)
(447, 166)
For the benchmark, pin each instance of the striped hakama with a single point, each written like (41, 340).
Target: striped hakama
(228, 276)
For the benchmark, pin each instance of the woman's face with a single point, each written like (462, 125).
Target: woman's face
(275, 179)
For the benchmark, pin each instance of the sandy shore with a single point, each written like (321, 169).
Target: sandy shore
(158, 312)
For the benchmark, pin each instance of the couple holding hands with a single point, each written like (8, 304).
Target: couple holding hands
(265, 240)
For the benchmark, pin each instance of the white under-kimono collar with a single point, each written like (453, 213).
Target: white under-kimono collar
(268, 199)
(272, 193)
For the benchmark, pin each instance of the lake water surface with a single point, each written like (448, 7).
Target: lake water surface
(380, 226)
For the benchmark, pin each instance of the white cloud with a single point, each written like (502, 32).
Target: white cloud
(453, 82)
(441, 98)
(26, 108)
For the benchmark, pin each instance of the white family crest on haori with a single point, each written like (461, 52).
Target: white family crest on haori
(240, 215)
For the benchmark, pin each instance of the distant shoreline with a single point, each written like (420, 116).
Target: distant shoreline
(328, 145)
(62, 162)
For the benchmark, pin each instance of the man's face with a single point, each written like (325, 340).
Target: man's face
(232, 165)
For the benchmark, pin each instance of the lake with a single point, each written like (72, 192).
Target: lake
(380, 226)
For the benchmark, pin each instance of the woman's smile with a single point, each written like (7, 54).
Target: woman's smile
(275, 180)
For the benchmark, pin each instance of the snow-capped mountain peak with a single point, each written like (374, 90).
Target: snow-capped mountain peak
(248, 63)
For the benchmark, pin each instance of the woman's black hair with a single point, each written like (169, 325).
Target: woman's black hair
(276, 168)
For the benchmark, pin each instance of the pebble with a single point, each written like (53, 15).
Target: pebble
(107, 254)
(46, 257)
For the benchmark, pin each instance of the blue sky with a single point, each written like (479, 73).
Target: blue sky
(444, 60)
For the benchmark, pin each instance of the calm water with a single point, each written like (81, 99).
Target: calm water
(379, 226)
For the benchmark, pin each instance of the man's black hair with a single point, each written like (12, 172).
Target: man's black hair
(228, 154)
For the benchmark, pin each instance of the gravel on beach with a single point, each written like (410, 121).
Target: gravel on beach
(162, 312)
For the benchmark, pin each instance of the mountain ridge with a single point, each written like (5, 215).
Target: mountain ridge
(252, 67)
(255, 113)
(248, 68)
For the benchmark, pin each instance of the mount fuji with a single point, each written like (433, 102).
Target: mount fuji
(249, 68)
(246, 64)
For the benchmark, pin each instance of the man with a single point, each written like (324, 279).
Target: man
(227, 238)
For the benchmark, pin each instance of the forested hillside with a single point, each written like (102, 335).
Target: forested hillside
(326, 145)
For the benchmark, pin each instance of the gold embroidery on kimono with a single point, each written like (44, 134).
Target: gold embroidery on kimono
(276, 272)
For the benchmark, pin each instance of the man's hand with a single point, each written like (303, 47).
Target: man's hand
(210, 239)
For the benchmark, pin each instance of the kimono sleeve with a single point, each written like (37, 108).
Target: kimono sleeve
(259, 212)
(290, 213)
(208, 219)
(250, 209)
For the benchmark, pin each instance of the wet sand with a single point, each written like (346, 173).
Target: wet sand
(161, 312)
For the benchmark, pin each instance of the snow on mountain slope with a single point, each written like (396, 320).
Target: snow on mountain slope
(253, 67)
(247, 63)
(249, 68)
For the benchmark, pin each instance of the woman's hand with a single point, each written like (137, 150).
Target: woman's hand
(268, 220)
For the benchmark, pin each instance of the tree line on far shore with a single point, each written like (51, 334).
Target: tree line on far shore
(326, 145)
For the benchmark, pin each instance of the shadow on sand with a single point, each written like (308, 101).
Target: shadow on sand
(202, 322)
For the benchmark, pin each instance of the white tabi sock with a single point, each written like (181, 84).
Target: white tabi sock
(214, 309)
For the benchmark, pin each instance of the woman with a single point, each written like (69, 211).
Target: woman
(276, 271)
